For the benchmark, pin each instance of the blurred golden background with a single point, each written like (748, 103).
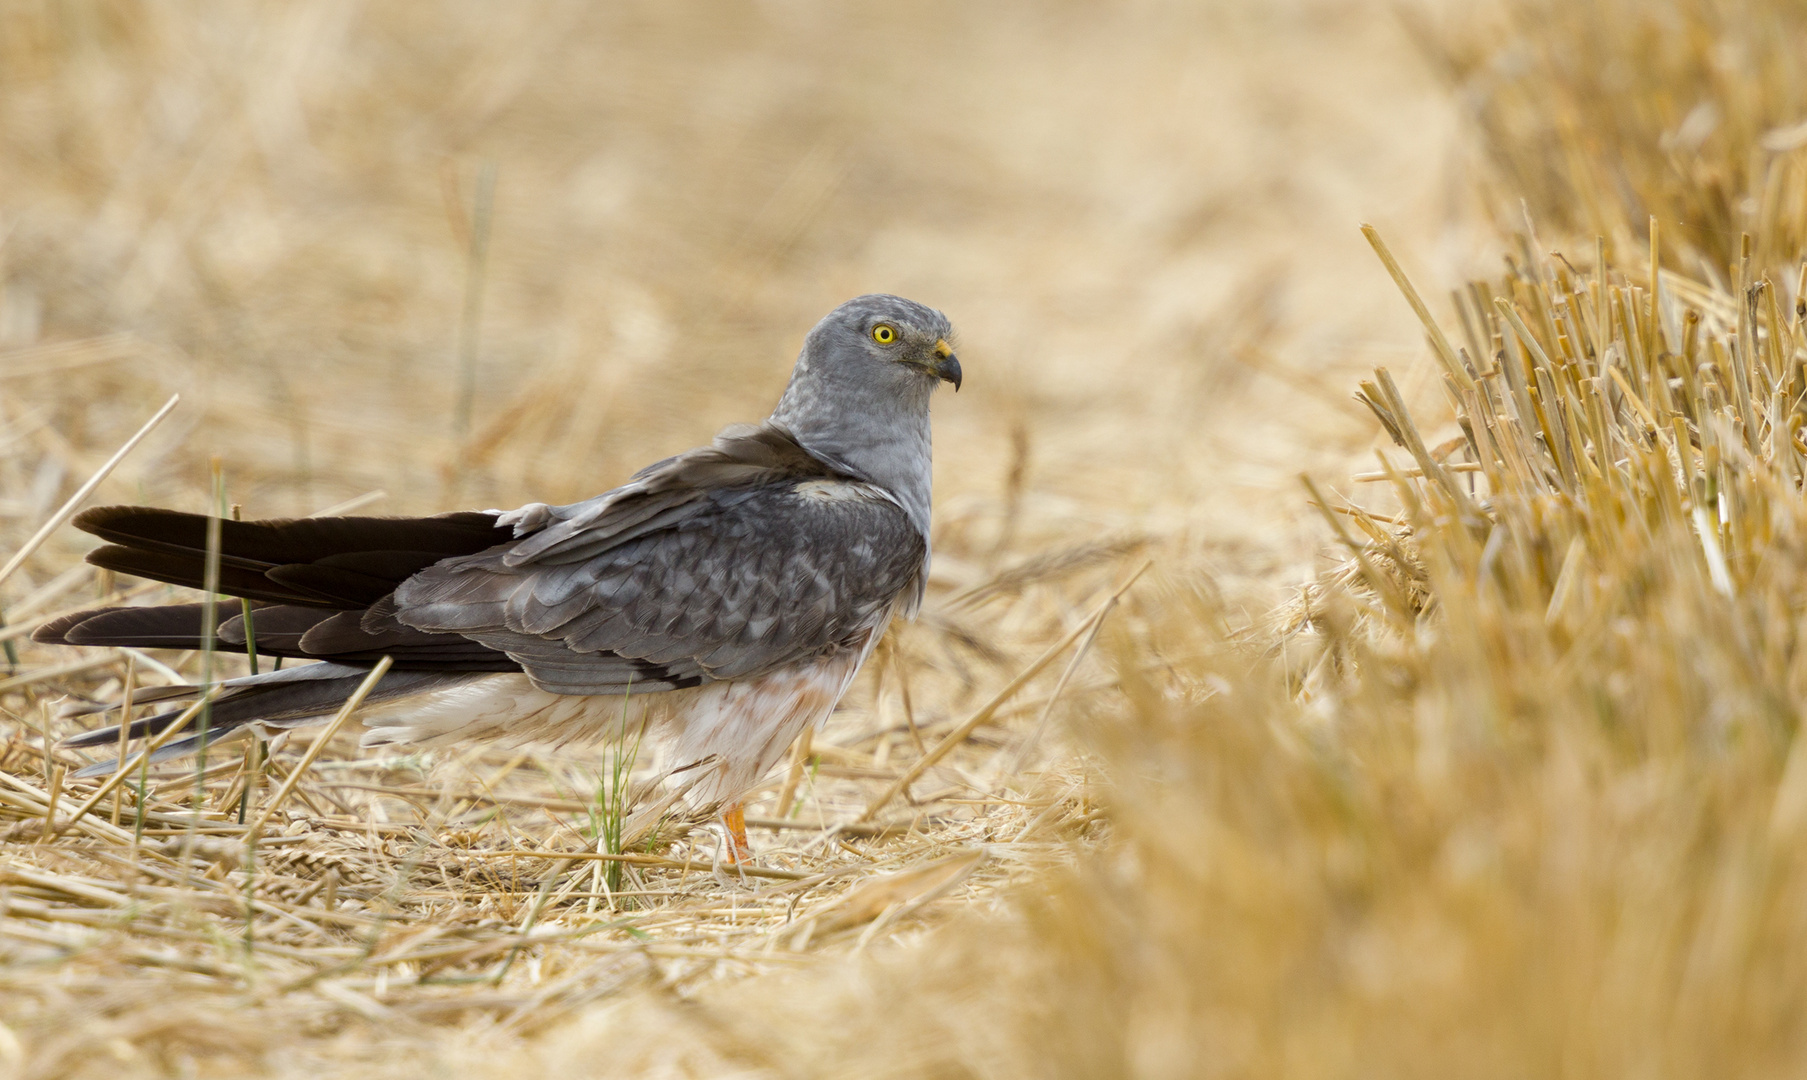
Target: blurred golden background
(1127, 210)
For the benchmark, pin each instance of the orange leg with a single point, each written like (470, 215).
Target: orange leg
(735, 818)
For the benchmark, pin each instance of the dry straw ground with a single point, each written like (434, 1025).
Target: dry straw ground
(1479, 758)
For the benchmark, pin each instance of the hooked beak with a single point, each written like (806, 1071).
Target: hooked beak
(946, 366)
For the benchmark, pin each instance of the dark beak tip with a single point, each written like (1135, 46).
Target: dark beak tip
(950, 371)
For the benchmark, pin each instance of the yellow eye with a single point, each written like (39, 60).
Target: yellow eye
(883, 334)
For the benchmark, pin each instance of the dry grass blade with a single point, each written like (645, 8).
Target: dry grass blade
(151, 746)
(68, 509)
(282, 793)
(985, 712)
(874, 900)
(629, 858)
(1446, 355)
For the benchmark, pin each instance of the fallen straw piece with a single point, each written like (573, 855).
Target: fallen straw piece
(658, 862)
(69, 508)
(971, 724)
(1439, 343)
(126, 768)
(319, 745)
(74, 667)
(1414, 471)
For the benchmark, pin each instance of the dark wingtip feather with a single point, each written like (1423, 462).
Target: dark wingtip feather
(336, 562)
(56, 631)
(171, 626)
(120, 523)
(95, 518)
(101, 736)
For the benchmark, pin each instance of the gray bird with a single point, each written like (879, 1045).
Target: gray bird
(722, 599)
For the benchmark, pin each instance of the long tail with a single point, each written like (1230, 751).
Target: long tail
(310, 584)
(292, 632)
(334, 563)
(311, 589)
(291, 698)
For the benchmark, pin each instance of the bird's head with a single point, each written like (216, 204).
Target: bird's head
(859, 396)
(886, 340)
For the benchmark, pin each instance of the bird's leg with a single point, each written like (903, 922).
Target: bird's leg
(734, 819)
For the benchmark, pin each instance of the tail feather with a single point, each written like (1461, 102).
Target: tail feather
(294, 540)
(189, 569)
(174, 626)
(285, 630)
(312, 583)
(293, 697)
(141, 695)
(190, 744)
(341, 562)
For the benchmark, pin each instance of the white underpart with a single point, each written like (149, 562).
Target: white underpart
(736, 730)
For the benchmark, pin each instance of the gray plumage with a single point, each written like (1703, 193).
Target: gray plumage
(770, 561)
(735, 571)
(774, 545)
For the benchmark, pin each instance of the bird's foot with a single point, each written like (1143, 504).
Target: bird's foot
(734, 820)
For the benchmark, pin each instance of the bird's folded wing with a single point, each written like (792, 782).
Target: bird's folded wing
(659, 495)
(720, 581)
